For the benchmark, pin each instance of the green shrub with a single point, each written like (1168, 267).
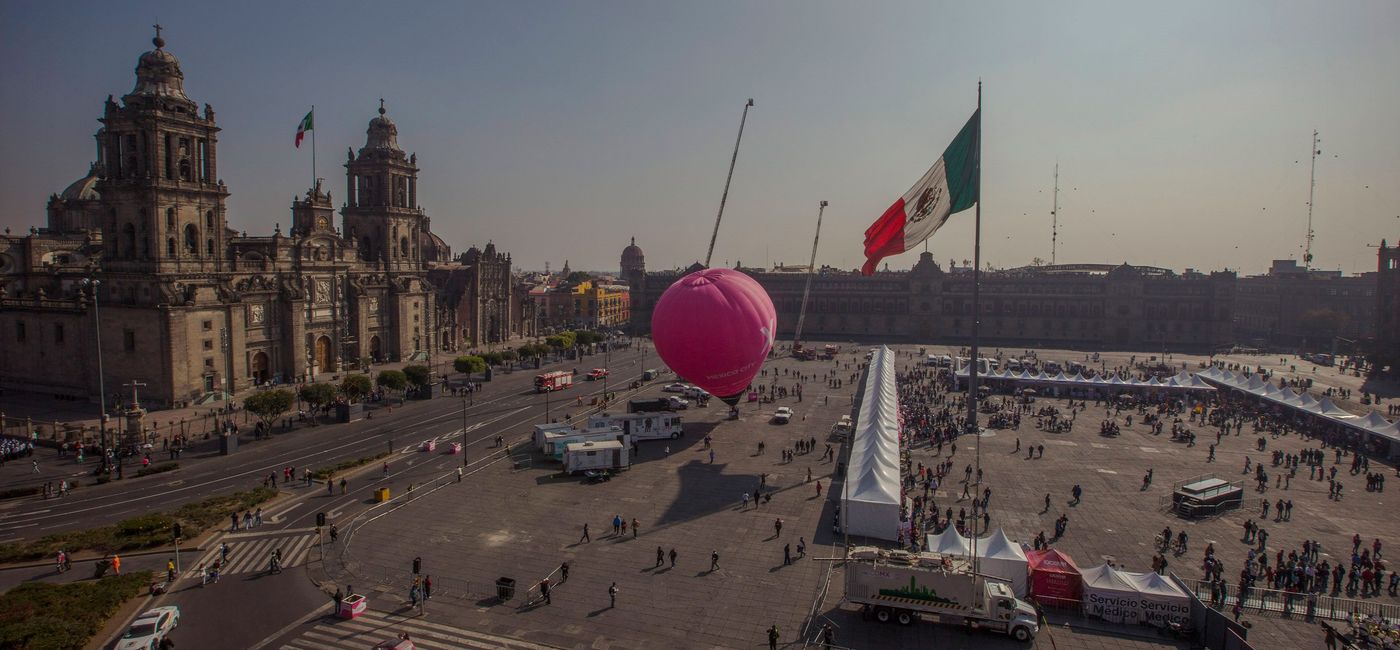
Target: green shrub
(327, 472)
(157, 469)
(51, 616)
(469, 364)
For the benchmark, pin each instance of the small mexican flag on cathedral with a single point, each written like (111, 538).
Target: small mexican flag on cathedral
(306, 125)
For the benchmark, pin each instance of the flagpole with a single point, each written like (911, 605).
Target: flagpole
(313, 145)
(976, 316)
(723, 197)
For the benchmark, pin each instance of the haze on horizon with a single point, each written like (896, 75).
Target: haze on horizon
(560, 130)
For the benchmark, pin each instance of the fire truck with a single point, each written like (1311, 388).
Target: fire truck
(552, 381)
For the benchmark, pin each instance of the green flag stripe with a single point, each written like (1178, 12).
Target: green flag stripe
(306, 122)
(961, 166)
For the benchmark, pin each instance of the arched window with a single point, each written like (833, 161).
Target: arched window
(209, 248)
(170, 218)
(170, 247)
(366, 249)
(191, 240)
(209, 219)
(403, 247)
(129, 240)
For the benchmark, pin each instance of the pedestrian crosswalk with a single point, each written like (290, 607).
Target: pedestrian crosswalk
(376, 627)
(254, 554)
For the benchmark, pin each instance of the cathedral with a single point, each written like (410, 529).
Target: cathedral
(140, 252)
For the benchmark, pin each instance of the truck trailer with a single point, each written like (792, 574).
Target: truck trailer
(901, 586)
(641, 426)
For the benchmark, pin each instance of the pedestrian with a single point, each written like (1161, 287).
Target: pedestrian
(612, 595)
(787, 554)
(773, 637)
(116, 564)
(413, 595)
(712, 456)
(343, 484)
(544, 591)
(801, 547)
(809, 475)
(459, 475)
(617, 524)
(636, 526)
(564, 572)
(660, 556)
(745, 501)
(585, 537)
(819, 489)
(428, 587)
(1392, 575)
(714, 560)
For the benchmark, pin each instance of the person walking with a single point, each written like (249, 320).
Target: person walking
(636, 526)
(660, 556)
(612, 595)
(773, 637)
(544, 591)
(714, 560)
(585, 537)
(787, 554)
(673, 565)
(564, 572)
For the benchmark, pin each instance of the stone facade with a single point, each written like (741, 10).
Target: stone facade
(191, 307)
(1270, 308)
(478, 300)
(1386, 349)
(1082, 306)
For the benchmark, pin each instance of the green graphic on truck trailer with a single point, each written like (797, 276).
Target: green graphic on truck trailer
(915, 592)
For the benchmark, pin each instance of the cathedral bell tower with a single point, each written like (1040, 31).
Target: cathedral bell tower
(381, 210)
(164, 204)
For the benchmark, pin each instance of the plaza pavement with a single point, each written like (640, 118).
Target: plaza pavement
(523, 523)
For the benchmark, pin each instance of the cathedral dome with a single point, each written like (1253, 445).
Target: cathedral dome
(158, 74)
(382, 134)
(633, 252)
(83, 189)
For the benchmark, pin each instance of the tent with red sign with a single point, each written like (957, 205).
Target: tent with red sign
(1055, 578)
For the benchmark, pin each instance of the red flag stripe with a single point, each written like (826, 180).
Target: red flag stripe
(885, 237)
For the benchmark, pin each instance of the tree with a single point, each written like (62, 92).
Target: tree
(1319, 326)
(318, 394)
(469, 364)
(269, 405)
(562, 341)
(492, 358)
(588, 337)
(577, 277)
(355, 387)
(391, 380)
(508, 356)
(418, 376)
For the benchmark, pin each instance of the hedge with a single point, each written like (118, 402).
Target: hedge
(141, 532)
(51, 616)
(327, 472)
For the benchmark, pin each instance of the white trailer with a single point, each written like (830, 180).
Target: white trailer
(903, 587)
(641, 426)
(556, 441)
(606, 454)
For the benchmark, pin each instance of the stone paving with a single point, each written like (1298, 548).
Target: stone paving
(523, 523)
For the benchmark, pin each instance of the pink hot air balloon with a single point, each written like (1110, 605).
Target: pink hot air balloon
(714, 327)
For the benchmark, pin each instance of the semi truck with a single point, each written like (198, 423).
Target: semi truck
(656, 404)
(903, 587)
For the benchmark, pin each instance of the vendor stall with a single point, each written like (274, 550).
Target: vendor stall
(1055, 580)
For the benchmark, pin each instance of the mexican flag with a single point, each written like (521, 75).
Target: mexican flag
(950, 186)
(306, 125)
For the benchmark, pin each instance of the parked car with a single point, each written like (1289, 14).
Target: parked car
(597, 373)
(678, 404)
(150, 628)
(695, 392)
(783, 415)
(674, 388)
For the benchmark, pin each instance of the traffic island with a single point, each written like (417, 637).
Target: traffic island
(46, 615)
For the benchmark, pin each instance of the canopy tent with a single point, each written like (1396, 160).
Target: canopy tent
(1372, 424)
(1004, 558)
(871, 499)
(1110, 595)
(1162, 599)
(1183, 381)
(950, 542)
(1054, 578)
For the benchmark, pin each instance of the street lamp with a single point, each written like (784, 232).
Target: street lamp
(101, 383)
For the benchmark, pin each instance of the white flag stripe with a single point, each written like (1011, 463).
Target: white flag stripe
(927, 206)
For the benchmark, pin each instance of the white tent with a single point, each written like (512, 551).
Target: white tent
(1163, 600)
(1254, 384)
(1110, 595)
(950, 542)
(1327, 408)
(1004, 558)
(871, 495)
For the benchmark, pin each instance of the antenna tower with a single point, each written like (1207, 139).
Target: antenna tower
(1055, 217)
(1312, 187)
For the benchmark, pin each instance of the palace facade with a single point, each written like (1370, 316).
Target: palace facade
(1089, 306)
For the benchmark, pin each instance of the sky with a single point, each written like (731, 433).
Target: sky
(560, 130)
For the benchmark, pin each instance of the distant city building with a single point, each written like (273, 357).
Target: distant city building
(1386, 350)
(477, 298)
(1085, 305)
(588, 304)
(1290, 305)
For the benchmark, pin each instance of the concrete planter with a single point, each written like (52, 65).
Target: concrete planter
(349, 412)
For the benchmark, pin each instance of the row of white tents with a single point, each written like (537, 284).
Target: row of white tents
(871, 497)
(1180, 382)
(1371, 424)
(997, 555)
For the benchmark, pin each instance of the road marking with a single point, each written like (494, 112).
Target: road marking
(278, 517)
(1150, 450)
(25, 514)
(1105, 471)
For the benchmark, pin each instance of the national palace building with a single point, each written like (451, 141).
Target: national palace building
(190, 306)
